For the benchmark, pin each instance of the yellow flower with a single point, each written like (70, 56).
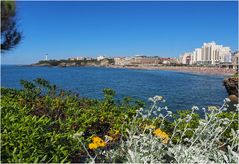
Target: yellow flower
(162, 135)
(149, 127)
(98, 141)
(93, 146)
(102, 144)
(116, 131)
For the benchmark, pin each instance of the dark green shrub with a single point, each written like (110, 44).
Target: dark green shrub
(38, 122)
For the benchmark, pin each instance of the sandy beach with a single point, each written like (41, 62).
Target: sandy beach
(196, 70)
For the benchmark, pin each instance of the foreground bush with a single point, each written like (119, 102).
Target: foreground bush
(41, 123)
(214, 139)
(38, 122)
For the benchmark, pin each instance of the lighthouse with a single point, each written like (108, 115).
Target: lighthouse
(46, 57)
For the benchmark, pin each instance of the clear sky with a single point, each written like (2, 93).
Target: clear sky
(166, 29)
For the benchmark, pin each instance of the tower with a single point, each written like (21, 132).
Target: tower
(46, 57)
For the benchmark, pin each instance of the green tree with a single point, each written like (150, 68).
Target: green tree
(10, 36)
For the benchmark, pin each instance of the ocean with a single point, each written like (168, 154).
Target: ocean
(180, 90)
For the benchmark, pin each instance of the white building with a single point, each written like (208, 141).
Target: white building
(209, 54)
(119, 61)
(193, 58)
(215, 54)
(77, 58)
(80, 58)
(235, 60)
(225, 54)
(100, 58)
(198, 56)
(184, 58)
(166, 62)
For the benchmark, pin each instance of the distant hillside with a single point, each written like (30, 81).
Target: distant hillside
(74, 63)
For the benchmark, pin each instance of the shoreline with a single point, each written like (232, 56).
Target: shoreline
(184, 69)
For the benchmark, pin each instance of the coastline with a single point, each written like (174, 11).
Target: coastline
(186, 69)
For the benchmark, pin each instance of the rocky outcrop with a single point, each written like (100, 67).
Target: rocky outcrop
(231, 85)
(42, 64)
(104, 62)
(62, 64)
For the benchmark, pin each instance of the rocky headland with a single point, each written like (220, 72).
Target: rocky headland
(73, 63)
(231, 85)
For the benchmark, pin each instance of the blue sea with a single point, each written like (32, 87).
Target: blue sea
(181, 90)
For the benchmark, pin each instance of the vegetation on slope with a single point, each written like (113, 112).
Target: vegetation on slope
(65, 63)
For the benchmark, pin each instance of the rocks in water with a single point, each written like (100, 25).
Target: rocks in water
(73, 64)
(234, 99)
(62, 64)
(231, 85)
(42, 64)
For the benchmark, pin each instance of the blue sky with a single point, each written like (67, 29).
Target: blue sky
(167, 29)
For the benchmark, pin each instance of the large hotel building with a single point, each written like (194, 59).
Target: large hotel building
(209, 54)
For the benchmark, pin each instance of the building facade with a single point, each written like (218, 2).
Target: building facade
(235, 60)
(209, 54)
(186, 58)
